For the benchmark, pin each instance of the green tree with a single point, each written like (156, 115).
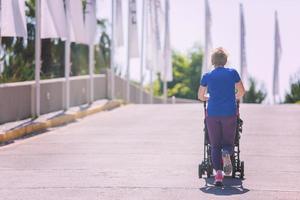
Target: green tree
(186, 75)
(254, 95)
(52, 58)
(19, 54)
(294, 95)
(196, 57)
(179, 87)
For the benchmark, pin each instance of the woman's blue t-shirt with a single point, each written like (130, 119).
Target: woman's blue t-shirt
(220, 84)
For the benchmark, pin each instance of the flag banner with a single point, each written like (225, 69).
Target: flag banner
(13, 20)
(160, 18)
(167, 71)
(133, 30)
(154, 43)
(75, 20)
(277, 57)
(53, 19)
(119, 37)
(243, 61)
(150, 36)
(208, 39)
(158, 26)
(91, 21)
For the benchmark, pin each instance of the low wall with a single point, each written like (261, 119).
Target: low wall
(17, 100)
(120, 91)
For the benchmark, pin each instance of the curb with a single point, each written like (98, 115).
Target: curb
(66, 118)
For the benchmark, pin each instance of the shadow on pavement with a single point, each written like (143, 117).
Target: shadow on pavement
(231, 186)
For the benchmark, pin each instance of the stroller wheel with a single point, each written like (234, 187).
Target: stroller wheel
(242, 170)
(200, 171)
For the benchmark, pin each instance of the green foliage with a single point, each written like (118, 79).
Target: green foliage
(254, 95)
(52, 58)
(186, 75)
(19, 54)
(294, 95)
(196, 57)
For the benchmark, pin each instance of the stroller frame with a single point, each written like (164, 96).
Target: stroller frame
(237, 165)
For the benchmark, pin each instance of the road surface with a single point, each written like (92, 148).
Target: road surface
(152, 152)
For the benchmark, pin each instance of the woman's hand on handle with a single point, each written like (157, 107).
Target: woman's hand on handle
(240, 90)
(202, 93)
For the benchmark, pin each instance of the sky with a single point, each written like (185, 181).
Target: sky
(187, 29)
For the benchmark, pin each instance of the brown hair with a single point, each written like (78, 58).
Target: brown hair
(219, 57)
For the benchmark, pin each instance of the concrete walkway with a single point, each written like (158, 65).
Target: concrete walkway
(152, 152)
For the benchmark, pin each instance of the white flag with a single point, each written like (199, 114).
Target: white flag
(158, 23)
(243, 61)
(53, 19)
(133, 30)
(154, 42)
(277, 56)
(150, 36)
(168, 71)
(119, 38)
(208, 41)
(75, 20)
(13, 20)
(91, 21)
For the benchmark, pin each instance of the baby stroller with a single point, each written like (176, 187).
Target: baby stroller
(237, 165)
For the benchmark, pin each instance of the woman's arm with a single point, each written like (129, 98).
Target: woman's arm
(240, 90)
(201, 93)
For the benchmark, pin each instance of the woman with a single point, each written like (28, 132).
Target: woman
(224, 87)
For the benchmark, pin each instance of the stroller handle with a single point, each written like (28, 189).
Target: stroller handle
(205, 111)
(237, 107)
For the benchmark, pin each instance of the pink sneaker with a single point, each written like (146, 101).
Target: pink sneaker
(219, 178)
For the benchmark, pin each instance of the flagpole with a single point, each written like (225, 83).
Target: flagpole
(206, 37)
(275, 60)
(1, 49)
(67, 73)
(1, 52)
(91, 71)
(242, 47)
(275, 56)
(277, 48)
(142, 52)
(37, 55)
(67, 58)
(128, 57)
(241, 43)
(165, 91)
(207, 42)
(151, 86)
(112, 50)
(165, 86)
(204, 65)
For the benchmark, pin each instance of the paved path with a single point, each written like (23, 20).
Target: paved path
(152, 152)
